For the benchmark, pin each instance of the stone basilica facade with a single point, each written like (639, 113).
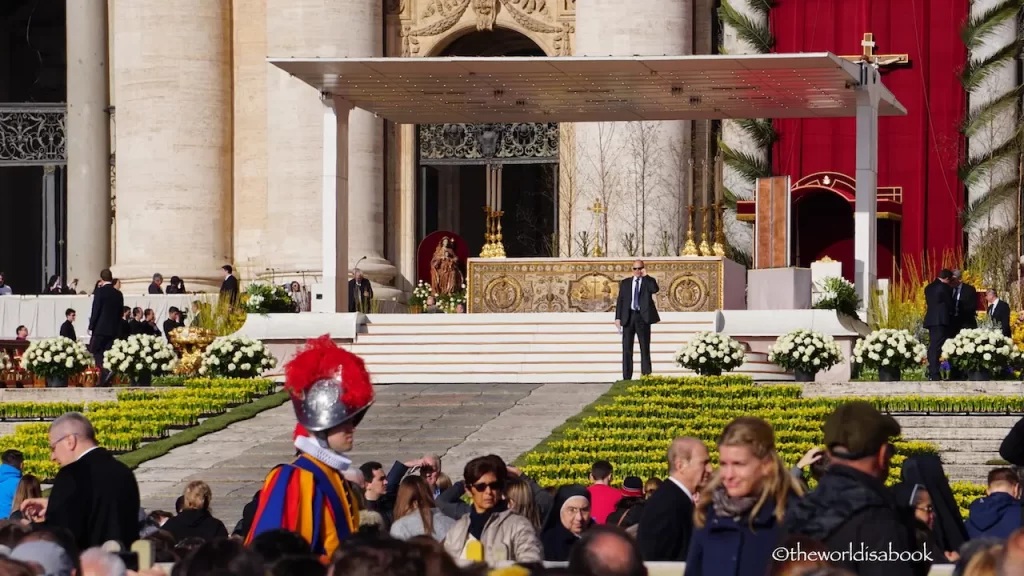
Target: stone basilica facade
(217, 156)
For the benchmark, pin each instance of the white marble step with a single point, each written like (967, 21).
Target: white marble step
(473, 356)
(520, 328)
(526, 377)
(605, 335)
(531, 318)
(430, 347)
(418, 364)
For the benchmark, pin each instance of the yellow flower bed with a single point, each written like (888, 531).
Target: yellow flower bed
(634, 430)
(122, 426)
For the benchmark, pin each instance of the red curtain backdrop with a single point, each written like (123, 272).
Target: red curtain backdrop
(918, 152)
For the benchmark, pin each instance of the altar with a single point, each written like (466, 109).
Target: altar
(517, 285)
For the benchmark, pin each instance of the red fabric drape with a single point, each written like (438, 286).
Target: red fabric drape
(918, 152)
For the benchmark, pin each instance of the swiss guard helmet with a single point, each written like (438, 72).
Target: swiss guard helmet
(328, 386)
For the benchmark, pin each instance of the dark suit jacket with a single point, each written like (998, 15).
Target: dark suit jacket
(229, 289)
(170, 325)
(666, 525)
(648, 311)
(939, 299)
(126, 329)
(97, 499)
(1001, 314)
(354, 292)
(966, 307)
(67, 330)
(107, 306)
(154, 289)
(137, 327)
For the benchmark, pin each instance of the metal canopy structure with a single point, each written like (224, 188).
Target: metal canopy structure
(470, 90)
(507, 90)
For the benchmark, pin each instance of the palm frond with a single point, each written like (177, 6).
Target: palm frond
(992, 199)
(757, 34)
(977, 71)
(985, 115)
(749, 167)
(762, 6)
(974, 169)
(760, 130)
(984, 25)
(728, 198)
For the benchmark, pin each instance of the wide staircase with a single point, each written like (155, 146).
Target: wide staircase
(527, 348)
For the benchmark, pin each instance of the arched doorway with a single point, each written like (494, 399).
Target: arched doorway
(454, 160)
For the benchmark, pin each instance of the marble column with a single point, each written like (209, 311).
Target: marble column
(88, 194)
(335, 185)
(407, 206)
(315, 29)
(865, 217)
(606, 152)
(173, 79)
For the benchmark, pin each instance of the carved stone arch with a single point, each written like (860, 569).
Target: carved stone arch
(427, 26)
(464, 29)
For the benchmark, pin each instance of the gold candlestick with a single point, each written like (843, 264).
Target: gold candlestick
(486, 251)
(718, 248)
(499, 248)
(690, 248)
(705, 249)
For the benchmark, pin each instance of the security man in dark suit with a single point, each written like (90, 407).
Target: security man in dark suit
(938, 318)
(105, 320)
(965, 301)
(67, 329)
(635, 313)
(999, 312)
(229, 287)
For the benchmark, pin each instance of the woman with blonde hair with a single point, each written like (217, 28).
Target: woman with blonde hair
(195, 519)
(519, 495)
(740, 512)
(416, 514)
(28, 487)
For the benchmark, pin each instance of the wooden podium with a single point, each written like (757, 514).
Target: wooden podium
(772, 225)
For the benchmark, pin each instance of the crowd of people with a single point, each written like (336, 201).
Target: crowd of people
(319, 513)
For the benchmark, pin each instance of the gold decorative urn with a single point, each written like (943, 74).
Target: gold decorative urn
(189, 344)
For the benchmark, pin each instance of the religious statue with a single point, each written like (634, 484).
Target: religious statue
(445, 276)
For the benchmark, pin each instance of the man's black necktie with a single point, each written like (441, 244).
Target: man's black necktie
(636, 295)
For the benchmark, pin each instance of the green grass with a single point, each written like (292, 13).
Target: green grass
(214, 424)
(558, 433)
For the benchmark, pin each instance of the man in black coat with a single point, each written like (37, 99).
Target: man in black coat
(635, 313)
(229, 287)
(965, 304)
(666, 525)
(360, 292)
(126, 323)
(94, 496)
(105, 320)
(67, 329)
(173, 321)
(938, 318)
(999, 312)
(851, 508)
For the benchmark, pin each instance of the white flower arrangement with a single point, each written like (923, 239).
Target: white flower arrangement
(805, 350)
(708, 353)
(140, 355)
(889, 348)
(56, 358)
(236, 357)
(977, 349)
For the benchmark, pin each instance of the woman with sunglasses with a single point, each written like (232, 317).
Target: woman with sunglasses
(491, 533)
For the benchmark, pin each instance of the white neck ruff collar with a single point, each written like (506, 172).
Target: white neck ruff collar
(314, 448)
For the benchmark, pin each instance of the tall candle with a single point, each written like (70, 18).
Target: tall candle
(704, 182)
(718, 178)
(689, 186)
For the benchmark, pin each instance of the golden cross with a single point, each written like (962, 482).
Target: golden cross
(868, 54)
(597, 208)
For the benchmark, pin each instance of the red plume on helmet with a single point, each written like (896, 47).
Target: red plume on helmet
(322, 359)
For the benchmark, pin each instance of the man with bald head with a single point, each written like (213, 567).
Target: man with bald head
(667, 522)
(635, 313)
(94, 496)
(606, 551)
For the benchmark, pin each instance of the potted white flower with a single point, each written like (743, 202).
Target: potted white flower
(805, 352)
(56, 360)
(710, 354)
(980, 353)
(140, 357)
(890, 351)
(236, 357)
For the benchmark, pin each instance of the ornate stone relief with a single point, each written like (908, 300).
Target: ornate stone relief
(520, 142)
(424, 24)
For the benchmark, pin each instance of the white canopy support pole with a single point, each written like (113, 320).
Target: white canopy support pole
(335, 201)
(865, 211)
